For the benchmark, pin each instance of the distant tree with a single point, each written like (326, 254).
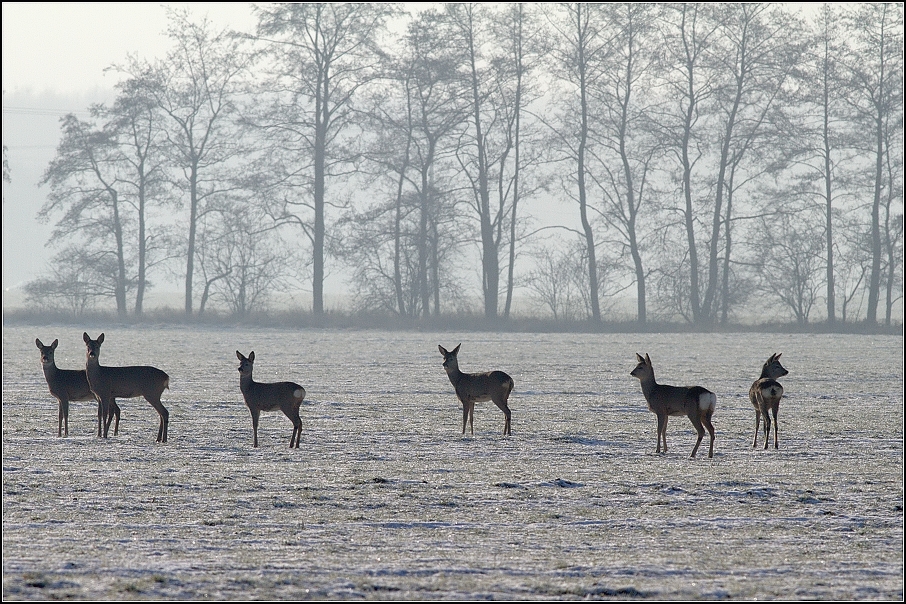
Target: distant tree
(818, 147)
(85, 188)
(792, 264)
(438, 112)
(556, 282)
(323, 53)
(137, 121)
(579, 49)
(76, 280)
(245, 253)
(626, 148)
(874, 64)
(197, 87)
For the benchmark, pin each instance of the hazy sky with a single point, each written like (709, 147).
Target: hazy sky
(64, 47)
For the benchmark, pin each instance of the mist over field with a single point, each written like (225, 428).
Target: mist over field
(387, 500)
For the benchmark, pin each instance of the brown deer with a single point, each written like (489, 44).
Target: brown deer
(765, 395)
(694, 402)
(67, 385)
(285, 396)
(111, 383)
(473, 388)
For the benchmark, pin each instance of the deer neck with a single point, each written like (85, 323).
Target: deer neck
(246, 382)
(649, 385)
(454, 374)
(92, 366)
(50, 371)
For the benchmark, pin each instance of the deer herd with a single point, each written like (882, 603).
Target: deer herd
(105, 384)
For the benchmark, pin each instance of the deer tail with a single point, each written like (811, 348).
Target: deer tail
(707, 402)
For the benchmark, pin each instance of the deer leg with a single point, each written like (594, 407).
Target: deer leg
(776, 426)
(164, 418)
(696, 420)
(116, 415)
(767, 425)
(108, 414)
(757, 425)
(60, 416)
(293, 415)
(100, 417)
(661, 432)
(255, 414)
(472, 418)
(507, 414)
(465, 416)
(706, 420)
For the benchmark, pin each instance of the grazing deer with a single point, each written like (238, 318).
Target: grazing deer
(285, 396)
(67, 385)
(111, 383)
(472, 388)
(694, 402)
(765, 395)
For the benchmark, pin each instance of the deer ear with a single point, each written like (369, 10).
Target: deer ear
(647, 359)
(38, 343)
(640, 358)
(777, 356)
(442, 350)
(53, 346)
(252, 356)
(101, 339)
(85, 337)
(456, 350)
(238, 355)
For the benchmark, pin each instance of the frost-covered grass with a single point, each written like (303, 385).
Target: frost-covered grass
(386, 500)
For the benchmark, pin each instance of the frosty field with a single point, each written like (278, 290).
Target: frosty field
(386, 500)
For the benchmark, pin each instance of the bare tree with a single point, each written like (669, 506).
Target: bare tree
(197, 86)
(322, 53)
(875, 68)
(579, 51)
(792, 263)
(84, 186)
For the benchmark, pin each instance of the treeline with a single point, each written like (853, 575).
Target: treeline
(709, 161)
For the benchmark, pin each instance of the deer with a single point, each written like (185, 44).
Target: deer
(474, 388)
(694, 402)
(285, 396)
(111, 383)
(67, 385)
(765, 395)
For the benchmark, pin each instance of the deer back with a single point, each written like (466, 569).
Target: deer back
(270, 396)
(479, 387)
(128, 382)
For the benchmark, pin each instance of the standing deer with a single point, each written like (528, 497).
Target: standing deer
(285, 396)
(694, 402)
(765, 395)
(68, 385)
(472, 388)
(111, 383)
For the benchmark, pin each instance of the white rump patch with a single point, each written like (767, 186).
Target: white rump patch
(707, 401)
(300, 393)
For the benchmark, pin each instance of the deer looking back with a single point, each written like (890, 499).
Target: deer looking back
(765, 395)
(472, 388)
(694, 402)
(285, 396)
(111, 383)
(67, 385)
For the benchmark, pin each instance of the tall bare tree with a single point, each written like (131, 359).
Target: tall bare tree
(322, 54)
(197, 86)
(875, 69)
